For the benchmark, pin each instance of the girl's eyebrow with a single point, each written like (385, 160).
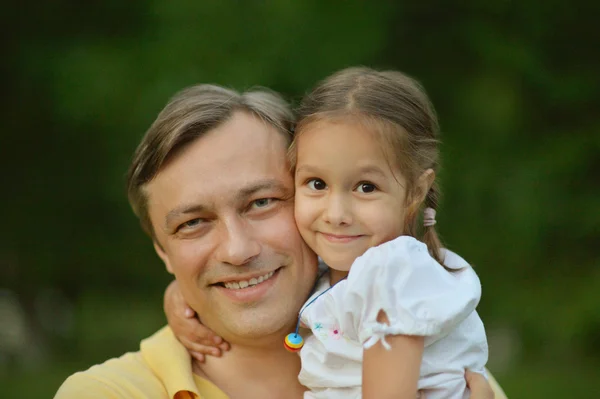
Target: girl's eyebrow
(371, 170)
(364, 170)
(307, 169)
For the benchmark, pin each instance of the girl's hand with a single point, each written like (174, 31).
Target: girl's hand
(479, 386)
(186, 326)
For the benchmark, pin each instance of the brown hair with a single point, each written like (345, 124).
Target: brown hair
(187, 116)
(396, 108)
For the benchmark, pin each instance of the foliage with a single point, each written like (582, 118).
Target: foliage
(515, 85)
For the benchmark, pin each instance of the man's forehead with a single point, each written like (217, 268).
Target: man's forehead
(226, 182)
(239, 195)
(224, 166)
(243, 138)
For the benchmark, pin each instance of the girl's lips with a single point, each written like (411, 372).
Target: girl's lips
(338, 238)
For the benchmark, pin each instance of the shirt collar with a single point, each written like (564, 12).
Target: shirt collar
(170, 361)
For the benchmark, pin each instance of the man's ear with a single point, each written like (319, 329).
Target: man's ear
(423, 185)
(163, 256)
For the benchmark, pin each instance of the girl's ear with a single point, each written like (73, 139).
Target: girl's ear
(163, 256)
(424, 183)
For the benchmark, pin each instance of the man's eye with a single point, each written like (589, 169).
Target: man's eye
(366, 188)
(316, 184)
(262, 202)
(190, 224)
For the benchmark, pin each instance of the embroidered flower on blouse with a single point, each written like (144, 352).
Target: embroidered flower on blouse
(318, 326)
(335, 332)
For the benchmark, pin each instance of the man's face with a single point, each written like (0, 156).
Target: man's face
(223, 213)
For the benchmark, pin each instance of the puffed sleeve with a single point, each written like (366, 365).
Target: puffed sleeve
(416, 293)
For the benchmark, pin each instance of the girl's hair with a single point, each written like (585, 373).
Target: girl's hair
(395, 108)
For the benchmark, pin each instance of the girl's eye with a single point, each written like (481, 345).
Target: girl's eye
(366, 188)
(316, 184)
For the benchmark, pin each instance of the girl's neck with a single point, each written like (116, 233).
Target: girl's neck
(336, 275)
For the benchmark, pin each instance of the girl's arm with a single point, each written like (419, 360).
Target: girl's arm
(394, 372)
(482, 388)
(419, 298)
(186, 326)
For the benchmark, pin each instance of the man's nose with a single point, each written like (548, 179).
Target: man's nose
(338, 210)
(238, 245)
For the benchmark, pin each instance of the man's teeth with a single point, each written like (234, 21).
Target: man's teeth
(236, 285)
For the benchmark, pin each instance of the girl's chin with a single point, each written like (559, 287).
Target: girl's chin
(339, 265)
(336, 275)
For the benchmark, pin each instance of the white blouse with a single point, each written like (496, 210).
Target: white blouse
(419, 297)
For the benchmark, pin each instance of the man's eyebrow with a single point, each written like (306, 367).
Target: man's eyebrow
(241, 195)
(266, 184)
(182, 210)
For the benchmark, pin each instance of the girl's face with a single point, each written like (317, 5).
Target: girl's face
(348, 197)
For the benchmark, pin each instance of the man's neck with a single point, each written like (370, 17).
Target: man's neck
(254, 372)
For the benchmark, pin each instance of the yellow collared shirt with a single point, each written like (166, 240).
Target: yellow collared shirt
(160, 370)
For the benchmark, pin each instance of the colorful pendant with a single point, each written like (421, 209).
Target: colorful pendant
(293, 342)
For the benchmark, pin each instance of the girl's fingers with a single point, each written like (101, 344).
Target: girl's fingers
(224, 346)
(198, 356)
(188, 313)
(203, 335)
(194, 347)
(479, 386)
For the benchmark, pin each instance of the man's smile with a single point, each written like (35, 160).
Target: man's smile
(238, 284)
(249, 289)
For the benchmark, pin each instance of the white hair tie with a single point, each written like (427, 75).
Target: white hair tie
(429, 217)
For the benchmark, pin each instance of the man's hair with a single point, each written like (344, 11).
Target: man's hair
(190, 114)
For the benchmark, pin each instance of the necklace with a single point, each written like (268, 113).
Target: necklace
(293, 342)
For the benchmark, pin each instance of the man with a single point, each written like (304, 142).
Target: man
(212, 187)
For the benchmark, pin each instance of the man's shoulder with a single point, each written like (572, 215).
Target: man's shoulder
(128, 376)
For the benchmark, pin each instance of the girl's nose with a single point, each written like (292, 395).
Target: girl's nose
(338, 211)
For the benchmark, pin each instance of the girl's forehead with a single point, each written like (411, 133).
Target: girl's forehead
(352, 133)
(381, 141)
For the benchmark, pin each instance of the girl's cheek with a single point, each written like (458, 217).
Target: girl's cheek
(388, 224)
(302, 211)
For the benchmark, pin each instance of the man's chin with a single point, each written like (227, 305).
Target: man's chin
(265, 324)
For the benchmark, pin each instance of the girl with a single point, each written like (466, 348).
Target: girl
(396, 312)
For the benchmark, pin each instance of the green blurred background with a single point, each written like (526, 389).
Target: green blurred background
(517, 89)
